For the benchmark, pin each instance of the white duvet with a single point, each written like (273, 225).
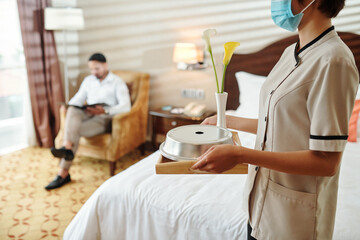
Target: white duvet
(138, 204)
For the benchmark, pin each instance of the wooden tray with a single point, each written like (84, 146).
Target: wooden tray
(167, 166)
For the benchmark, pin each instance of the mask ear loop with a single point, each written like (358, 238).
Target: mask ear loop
(307, 6)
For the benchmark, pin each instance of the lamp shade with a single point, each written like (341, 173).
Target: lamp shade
(185, 53)
(64, 18)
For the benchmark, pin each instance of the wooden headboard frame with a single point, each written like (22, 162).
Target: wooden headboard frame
(263, 61)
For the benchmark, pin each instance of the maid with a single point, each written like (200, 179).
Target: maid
(302, 130)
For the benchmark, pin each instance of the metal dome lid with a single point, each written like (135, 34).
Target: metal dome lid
(191, 141)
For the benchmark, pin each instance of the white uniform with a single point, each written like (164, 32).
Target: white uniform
(305, 104)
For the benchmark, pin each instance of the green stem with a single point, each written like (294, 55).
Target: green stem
(223, 78)
(212, 59)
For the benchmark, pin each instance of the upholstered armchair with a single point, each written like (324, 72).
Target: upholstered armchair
(128, 129)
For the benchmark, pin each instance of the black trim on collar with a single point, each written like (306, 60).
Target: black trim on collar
(296, 53)
(316, 137)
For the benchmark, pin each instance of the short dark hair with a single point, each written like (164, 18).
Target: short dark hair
(330, 8)
(98, 57)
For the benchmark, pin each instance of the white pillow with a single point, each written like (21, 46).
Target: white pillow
(249, 87)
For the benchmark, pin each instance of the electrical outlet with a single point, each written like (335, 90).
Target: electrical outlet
(184, 93)
(193, 93)
(200, 94)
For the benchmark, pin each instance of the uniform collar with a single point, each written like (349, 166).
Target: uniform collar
(317, 41)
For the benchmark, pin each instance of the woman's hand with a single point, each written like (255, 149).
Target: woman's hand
(210, 121)
(218, 158)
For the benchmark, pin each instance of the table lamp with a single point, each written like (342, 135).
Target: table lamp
(186, 56)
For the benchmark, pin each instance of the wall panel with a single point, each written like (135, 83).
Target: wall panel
(140, 35)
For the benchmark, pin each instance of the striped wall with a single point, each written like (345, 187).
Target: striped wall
(140, 35)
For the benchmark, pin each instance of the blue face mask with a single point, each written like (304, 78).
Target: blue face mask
(282, 15)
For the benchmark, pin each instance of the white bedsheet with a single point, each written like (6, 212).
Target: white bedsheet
(138, 204)
(348, 207)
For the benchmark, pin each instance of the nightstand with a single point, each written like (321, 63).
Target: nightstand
(163, 121)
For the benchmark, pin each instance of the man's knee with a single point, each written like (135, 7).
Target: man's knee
(73, 111)
(97, 125)
(90, 132)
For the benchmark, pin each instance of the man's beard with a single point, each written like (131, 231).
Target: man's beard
(102, 76)
(99, 76)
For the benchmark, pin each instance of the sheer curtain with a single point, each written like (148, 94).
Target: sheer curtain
(16, 124)
(29, 122)
(43, 70)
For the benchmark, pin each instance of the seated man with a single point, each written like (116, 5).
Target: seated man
(108, 95)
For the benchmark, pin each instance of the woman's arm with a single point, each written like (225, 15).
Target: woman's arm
(220, 158)
(242, 124)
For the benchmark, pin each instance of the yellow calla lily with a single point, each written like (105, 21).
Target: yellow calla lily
(229, 51)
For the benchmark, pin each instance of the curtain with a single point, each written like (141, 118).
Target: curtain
(43, 70)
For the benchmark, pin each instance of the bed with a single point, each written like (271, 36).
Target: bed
(138, 204)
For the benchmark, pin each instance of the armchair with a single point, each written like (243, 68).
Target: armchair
(128, 129)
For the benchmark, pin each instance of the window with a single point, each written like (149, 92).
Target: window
(14, 96)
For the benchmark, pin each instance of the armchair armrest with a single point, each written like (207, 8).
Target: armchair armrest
(130, 128)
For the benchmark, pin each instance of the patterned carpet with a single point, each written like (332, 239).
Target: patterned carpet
(27, 210)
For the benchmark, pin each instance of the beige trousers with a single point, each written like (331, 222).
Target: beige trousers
(80, 124)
